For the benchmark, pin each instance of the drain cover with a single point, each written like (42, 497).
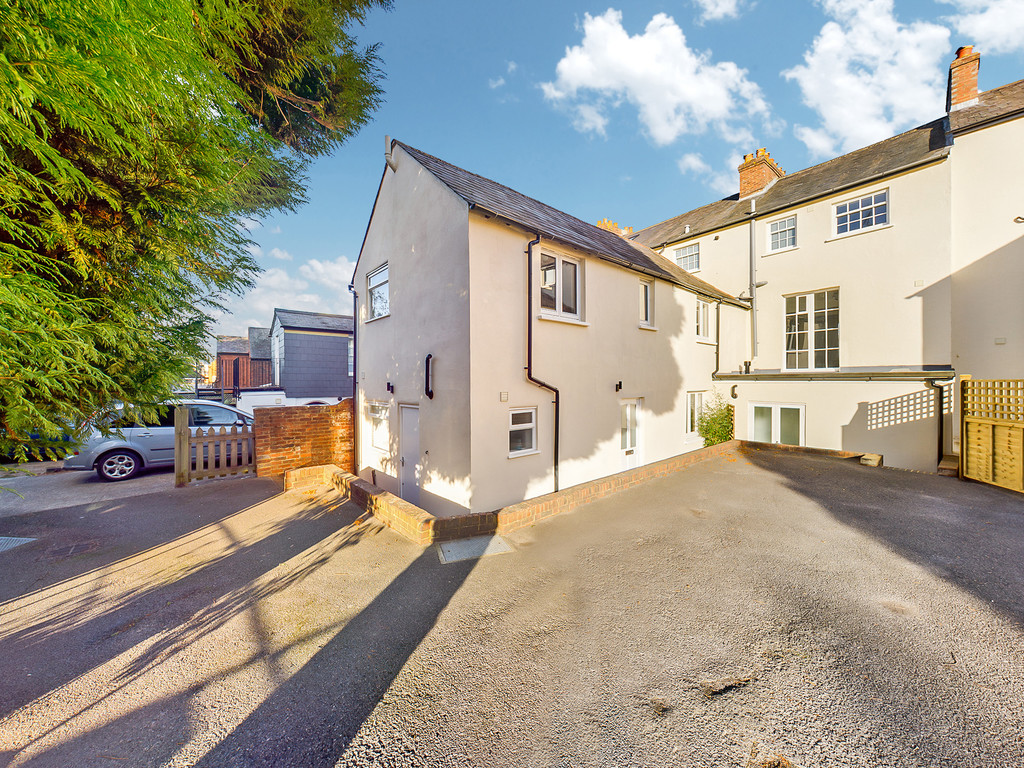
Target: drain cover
(469, 549)
(10, 542)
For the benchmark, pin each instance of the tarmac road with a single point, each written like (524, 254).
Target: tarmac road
(793, 605)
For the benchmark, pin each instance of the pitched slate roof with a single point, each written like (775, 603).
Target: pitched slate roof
(313, 321)
(924, 144)
(993, 105)
(553, 224)
(259, 343)
(232, 345)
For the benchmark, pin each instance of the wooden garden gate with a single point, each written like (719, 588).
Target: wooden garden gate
(992, 431)
(200, 454)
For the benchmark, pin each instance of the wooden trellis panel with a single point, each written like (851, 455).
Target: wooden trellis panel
(992, 431)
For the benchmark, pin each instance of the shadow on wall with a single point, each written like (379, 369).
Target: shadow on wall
(965, 533)
(903, 429)
(561, 353)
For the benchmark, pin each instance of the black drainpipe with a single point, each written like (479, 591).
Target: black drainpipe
(529, 345)
(355, 379)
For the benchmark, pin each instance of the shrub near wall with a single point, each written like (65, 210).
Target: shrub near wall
(303, 436)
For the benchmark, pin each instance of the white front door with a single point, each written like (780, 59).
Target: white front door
(629, 433)
(409, 453)
(776, 423)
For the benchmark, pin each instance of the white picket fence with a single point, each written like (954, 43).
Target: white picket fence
(211, 452)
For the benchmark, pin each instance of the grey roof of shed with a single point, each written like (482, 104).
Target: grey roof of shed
(555, 225)
(993, 105)
(313, 321)
(920, 145)
(259, 343)
(232, 345)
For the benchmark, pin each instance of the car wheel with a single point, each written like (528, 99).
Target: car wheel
(118, 465)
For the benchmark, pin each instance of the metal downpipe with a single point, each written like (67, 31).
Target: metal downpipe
(529, 349)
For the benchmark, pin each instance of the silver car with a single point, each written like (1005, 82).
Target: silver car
(119, 457)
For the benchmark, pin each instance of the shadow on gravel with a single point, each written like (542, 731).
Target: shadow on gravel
(310, 720)
(969, 534)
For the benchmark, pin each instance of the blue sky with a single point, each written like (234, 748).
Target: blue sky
(633, 112)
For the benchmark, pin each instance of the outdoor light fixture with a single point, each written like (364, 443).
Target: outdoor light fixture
(618, 386)
(391, 387)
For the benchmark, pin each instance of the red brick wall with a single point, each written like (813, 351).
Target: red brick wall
(303, 436)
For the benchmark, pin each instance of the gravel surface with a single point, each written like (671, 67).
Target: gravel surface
(780, 604)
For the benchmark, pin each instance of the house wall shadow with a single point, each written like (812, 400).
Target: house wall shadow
(904, 429)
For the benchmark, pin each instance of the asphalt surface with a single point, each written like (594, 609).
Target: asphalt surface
(792, 605)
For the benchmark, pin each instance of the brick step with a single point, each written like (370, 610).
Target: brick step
(950, 465)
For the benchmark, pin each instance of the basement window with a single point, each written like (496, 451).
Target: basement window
(522, 431)
(379, 432)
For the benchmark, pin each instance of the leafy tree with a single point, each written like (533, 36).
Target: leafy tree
(134, 135)
(715, 421)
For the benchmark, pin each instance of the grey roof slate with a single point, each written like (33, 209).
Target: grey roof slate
(232, 345)
(313, 321)
(994, 104)
(553, 224)
(923, 144)
(259, 343)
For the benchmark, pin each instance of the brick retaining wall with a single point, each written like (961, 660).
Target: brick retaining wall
(290, 438)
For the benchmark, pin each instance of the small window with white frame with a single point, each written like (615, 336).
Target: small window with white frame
(351, 356)
(694, 405)
(522, 431)
(782, 234)
(380, 434)
(647, 303)
(378, 292)
(703, 320)
(688, 257)
(560, 286)
(861, 213)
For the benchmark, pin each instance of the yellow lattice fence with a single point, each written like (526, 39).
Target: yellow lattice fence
(992, 431)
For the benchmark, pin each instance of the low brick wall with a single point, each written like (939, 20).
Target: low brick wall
(290, 438)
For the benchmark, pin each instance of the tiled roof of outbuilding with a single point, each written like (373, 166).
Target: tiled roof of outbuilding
(259, 343)
(553, 224)
(313, 321)
(232, 345)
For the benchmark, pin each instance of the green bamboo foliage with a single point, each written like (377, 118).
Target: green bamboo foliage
(134, 134)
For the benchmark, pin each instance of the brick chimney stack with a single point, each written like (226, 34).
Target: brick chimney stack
(963, 79)
(612, 226)
(757, 172)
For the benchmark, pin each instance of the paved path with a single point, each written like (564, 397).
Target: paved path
(833, 614)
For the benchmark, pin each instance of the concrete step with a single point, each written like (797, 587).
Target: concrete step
(950, 465)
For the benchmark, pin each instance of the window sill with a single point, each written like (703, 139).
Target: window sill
(523, 453)
(709, 342)
(858, 232)
(375, 319)
(811, 370)
(560, 319)
(643, 327)
(785, 250)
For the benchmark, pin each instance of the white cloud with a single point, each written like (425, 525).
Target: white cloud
(496, 83)
(276, 230)
(512, 67)
(713, 10)
(692, 162)
(254, 250)
(248, 224)
(675, 89)
(725, 182)
(274, 288)
(279, 253)
(993, 26)
(335, 274)
(869, 76)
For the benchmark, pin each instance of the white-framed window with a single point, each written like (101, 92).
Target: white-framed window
(777, 423)
(812, 330)
(351, 356)
(865, 212)
(380, 434)
(688, 257)
(694, 405)
(647, 303)
(377, 291)
(560, 279)
(782, 234)
(703, 319)
(522, 431)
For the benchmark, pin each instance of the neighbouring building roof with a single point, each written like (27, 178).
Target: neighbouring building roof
(994, 105)
(313, 321)
(924, 144)
(550, 223)
(259, 343)
(232, 345)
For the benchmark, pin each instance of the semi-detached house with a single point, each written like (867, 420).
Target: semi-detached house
(506, 349)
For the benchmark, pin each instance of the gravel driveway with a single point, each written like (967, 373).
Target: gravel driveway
(781, 604)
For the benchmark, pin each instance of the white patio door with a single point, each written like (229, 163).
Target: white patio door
(409, 469)
(776, 423)
(629, 433)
